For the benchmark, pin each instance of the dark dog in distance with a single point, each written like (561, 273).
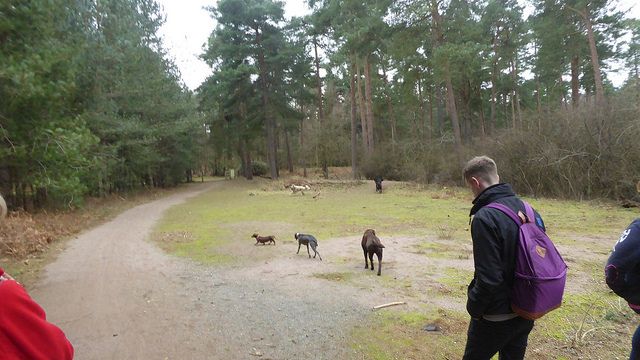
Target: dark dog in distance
(372, 245)
(264, 239)
(378, 180)
(308, 240)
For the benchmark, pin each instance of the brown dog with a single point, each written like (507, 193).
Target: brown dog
(264, 239)
(372, 245)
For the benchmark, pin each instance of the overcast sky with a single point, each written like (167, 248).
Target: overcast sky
(188, 25)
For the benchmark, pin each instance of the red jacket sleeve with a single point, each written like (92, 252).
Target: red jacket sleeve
(25, 332)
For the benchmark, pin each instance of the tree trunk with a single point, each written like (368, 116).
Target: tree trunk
(354, 140)
(431, 125)
(269, 120)
(513, 111)
(453, 112)
(483, 125)
(597, 75)
(575, 81)
(288, 148)
(363, 112)
(451, 100)
(247, 172)
(513, 95)
(248, 161)
(392, 116)
(369, 102)
(517, 92)
(439, 109)
(302, 150)
(539, 104)
(325, 170)
(423, 120)
(494, 84)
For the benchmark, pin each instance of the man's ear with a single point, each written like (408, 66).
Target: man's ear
(474, 181)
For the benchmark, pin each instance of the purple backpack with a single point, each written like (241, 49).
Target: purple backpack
(540, 272)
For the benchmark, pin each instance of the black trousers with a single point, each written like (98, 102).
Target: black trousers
(486, 338)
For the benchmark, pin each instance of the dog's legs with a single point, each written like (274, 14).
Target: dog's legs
(379, 261)
(299, 248)
(366, 263)
(308, 251)
(371, 259)
(316, 253)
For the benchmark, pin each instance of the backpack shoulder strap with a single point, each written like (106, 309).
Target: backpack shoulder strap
(531, 215)
(507, 211)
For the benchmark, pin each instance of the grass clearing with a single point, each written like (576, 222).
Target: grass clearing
(219, 218)
(592, 323)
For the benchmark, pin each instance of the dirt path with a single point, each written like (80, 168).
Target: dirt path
(117, 296)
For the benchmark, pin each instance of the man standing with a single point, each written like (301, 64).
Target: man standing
(622, 274)
(494, 327)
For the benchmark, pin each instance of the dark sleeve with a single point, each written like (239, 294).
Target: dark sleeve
(488, 277)
(622, 272)
(24, 329)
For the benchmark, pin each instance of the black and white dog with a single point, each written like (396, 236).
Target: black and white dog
(304, 239)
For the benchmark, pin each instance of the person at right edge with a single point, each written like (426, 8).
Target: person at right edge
(622, 274)
(494, 327)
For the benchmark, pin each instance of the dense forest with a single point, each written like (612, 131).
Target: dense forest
(91, 103)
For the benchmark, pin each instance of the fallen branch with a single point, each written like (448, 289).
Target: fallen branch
(389, 304)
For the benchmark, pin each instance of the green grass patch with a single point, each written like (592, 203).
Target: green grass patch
(594, 325)
(439, 250)
(455, 281)
(334, 276)
(585, 218)
(393, 334)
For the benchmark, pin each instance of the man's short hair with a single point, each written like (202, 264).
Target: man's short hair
(482, 167)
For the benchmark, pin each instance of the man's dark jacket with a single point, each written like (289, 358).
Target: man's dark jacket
(495, 239)
(623, 267)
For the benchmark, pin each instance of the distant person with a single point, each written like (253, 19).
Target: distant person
(378, 180)
(25, 332)
(622, 274)
(494, 327)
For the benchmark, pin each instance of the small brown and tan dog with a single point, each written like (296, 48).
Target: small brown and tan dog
(372, 245)
(264, 239)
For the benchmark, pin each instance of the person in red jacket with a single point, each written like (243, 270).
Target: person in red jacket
(25, 332)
